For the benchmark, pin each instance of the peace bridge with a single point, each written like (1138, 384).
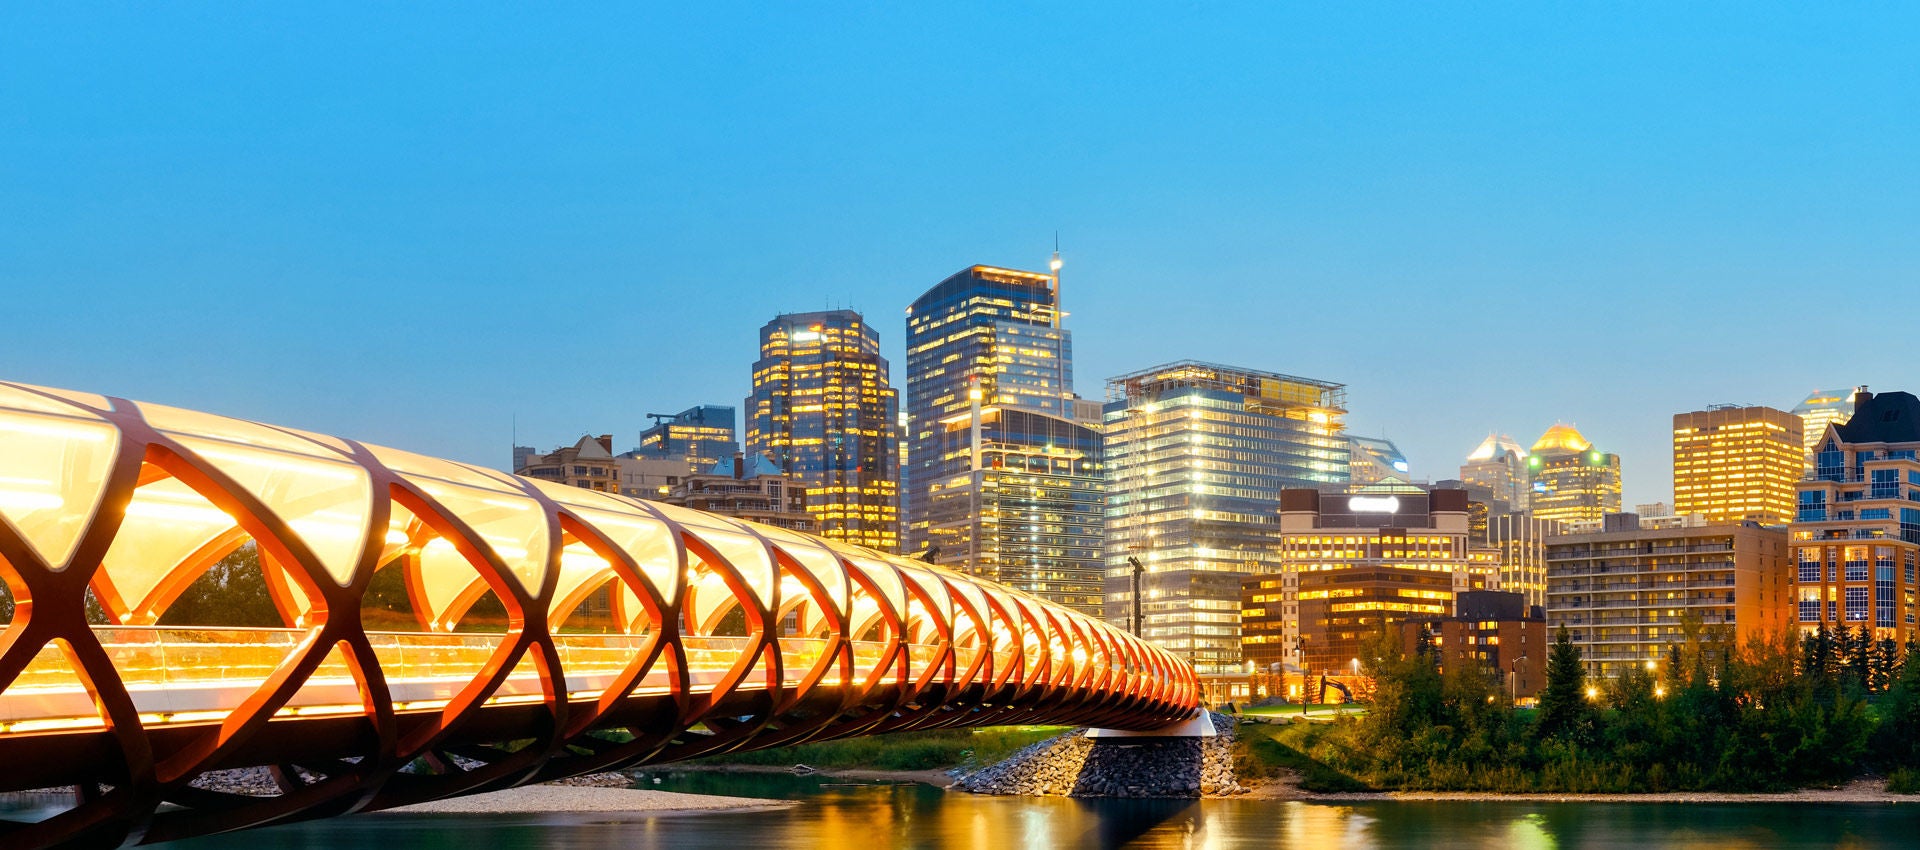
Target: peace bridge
(425, 629)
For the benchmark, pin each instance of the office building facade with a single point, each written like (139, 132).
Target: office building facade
(1856, 529)
(1570, 480)
(1494, 631)
(1733, 464)
(1197, 455)
(1005, 480)
(823, 409)
(1353, 564)
(702, 436)
(1626, 593)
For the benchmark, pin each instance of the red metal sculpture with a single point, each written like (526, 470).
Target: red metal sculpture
(445, 629)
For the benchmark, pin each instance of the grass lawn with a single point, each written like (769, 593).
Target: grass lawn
(930, 750)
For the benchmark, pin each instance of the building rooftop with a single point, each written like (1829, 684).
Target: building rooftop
(1884, 418)
(1562, 437)
(1493, 446)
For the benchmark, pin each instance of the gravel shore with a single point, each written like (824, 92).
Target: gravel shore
(1858, 791)
(548, 799)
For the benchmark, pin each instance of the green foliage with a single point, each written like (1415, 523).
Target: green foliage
(1772, 715)
(1564, 710)
(1905, 780)
(930, 750)
(232, 592)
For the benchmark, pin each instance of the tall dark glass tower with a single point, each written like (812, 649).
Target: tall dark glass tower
(823, 409)
(1005, 478)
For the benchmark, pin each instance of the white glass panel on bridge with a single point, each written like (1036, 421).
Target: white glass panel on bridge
(326, 502)
(420, 466)
(28, 397)
(742, 551)
(176, 422)
(879, 572)
(53, 474)
(646, 540)
(815, 557)
(931, 586)
(166, 523)
(708, 598)
(445, 576)
(513, 525)
(580, 568)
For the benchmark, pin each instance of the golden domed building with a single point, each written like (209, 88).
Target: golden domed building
(1571, 481)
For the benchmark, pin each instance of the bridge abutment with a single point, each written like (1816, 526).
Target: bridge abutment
(1193, 758)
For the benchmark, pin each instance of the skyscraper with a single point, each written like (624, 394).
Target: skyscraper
(1197, 455)
(1571, 480)
(1500, 465)
(1856, 529)
(1733, 464)
(1006, 481)
(823, 409)
(702, 435)
(1818, 410)
(1372, 460)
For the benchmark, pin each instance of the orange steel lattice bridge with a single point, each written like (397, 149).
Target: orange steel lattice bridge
(433, 629)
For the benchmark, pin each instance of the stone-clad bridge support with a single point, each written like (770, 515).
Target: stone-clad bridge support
(186, 593)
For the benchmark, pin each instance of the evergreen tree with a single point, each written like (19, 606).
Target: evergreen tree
(1564, 709)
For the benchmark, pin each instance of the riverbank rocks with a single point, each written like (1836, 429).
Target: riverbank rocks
(1073, 765)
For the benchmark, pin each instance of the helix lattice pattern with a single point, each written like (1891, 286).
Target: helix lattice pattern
(436, 629)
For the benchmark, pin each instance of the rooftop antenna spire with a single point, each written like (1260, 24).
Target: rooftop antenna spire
(1053, 266)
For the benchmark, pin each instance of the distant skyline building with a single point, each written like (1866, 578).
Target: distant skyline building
(1005, 481)
(1570, 480)
(1733, 464)
(1500, 465)
(588, 463)
(1856, 530)
(1818, 410)
(1197, 455)
(702, 435)
(823, 409)
(1516, 535)
(749, 488)
(1372, 460)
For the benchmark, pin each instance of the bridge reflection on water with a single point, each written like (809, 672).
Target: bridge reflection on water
(185, 593)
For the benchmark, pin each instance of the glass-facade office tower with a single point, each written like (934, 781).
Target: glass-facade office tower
(1856, 529)
(1196, 457)
(702, 435)
(1005, 481)
(1818, 410)
(823, 409)
(1375, 460)
(1571, 480)
(1733, 464)
(1500, 465)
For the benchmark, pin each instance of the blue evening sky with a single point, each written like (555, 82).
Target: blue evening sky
(410, 224)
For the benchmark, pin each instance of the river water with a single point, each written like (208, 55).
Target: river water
(876, 817)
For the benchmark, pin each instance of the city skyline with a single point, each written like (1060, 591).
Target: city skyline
(1476, 227)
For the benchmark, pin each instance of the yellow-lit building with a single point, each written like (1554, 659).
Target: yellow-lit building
(1005, 479)
(822, 408)
(1732, 464)
(1351, 565)
(1570, 480)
